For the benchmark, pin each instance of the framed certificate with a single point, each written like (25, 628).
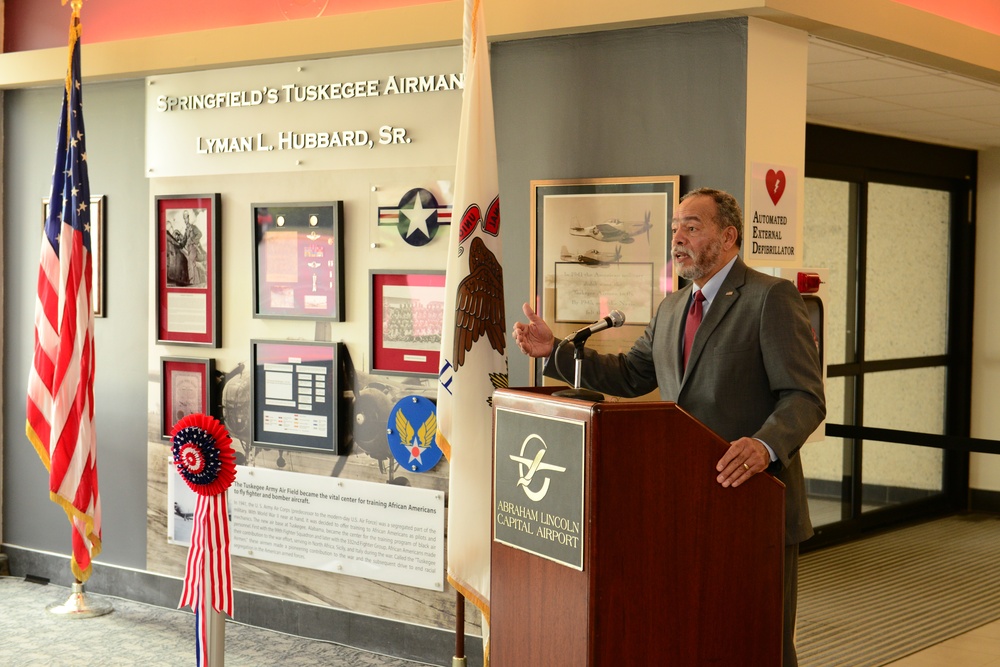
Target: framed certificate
(188, 257)
(295, 386)
(601, 244)
(298, 261)
(186, 387)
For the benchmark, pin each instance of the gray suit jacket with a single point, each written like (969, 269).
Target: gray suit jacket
(754, 371)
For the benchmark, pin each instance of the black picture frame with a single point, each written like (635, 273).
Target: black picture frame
(600, 244)
(295, 387)
(188, 267)
(298, 260)
(98, 211)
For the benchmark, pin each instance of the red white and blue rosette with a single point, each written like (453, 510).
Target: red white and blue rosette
(204, 458)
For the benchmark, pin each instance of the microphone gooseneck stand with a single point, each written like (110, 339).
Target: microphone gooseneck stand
(577, 392)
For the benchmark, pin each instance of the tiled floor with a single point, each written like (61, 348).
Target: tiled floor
(977, 648)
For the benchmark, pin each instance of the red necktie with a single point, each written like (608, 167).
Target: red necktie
(692, 323)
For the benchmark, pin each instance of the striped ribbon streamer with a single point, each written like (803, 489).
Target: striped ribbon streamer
(208, 582)
(203, 455)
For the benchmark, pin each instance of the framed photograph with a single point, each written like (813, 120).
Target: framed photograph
(185, 388)
(295, 385)
(599, 245)
(298, 261)
(97, 224)
(407, 310)
(188, 266)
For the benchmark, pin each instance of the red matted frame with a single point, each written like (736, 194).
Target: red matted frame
(188, 254)
(407, 315)
(186, 387)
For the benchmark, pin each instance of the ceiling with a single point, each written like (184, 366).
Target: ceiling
(862, 90)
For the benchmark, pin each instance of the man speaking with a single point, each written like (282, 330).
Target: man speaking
(734, 349)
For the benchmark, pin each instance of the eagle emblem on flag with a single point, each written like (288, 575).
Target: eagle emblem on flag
(479, 308)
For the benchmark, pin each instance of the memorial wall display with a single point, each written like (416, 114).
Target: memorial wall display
(343, 168)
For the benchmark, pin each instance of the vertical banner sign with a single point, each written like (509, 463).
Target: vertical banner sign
(772, 230)
(473, 341)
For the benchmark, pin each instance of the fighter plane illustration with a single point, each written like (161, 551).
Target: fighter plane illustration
(615, 230)
(593, 257)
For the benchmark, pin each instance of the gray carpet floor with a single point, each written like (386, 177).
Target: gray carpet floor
(141, 635)
(876, 600)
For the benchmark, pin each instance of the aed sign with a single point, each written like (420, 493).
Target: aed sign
(396, 109)
(772, 232)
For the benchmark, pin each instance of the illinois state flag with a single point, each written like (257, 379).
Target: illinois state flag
(473, 342)
(60, 401)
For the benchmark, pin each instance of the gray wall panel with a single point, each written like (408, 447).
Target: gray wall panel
(115, 123)
(644, 102)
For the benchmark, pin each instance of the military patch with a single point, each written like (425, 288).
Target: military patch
(412, 433)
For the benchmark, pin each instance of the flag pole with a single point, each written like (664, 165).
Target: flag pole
(64, 259)
(215, 625)
(458, 660)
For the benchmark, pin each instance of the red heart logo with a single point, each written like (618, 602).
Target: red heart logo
(775, 181)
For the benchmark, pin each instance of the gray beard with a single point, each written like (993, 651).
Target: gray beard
(703, 262)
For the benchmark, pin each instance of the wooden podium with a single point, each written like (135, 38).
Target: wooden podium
(614, 545)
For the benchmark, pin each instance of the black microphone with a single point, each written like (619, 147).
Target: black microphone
(615, 318)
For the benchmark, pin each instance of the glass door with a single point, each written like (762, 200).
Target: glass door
(886, 341)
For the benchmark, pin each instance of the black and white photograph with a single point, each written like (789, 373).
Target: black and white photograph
(187, 256)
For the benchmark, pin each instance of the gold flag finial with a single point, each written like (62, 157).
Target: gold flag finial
(77, 5)
(74, 35)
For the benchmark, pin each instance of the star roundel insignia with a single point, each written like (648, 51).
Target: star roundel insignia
(418, 217)
(479, 303)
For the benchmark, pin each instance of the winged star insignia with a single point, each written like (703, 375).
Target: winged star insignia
(414, 447)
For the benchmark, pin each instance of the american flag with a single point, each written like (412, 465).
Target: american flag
(473, 340)
(60, 403)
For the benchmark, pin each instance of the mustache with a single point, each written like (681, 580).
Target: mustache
(680, 250)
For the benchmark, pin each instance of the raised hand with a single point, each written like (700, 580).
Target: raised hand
(535, 338)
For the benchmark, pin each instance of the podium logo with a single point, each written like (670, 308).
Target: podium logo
(529, 467)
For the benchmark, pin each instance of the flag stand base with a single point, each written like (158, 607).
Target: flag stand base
(457, 662)
(78, 605)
